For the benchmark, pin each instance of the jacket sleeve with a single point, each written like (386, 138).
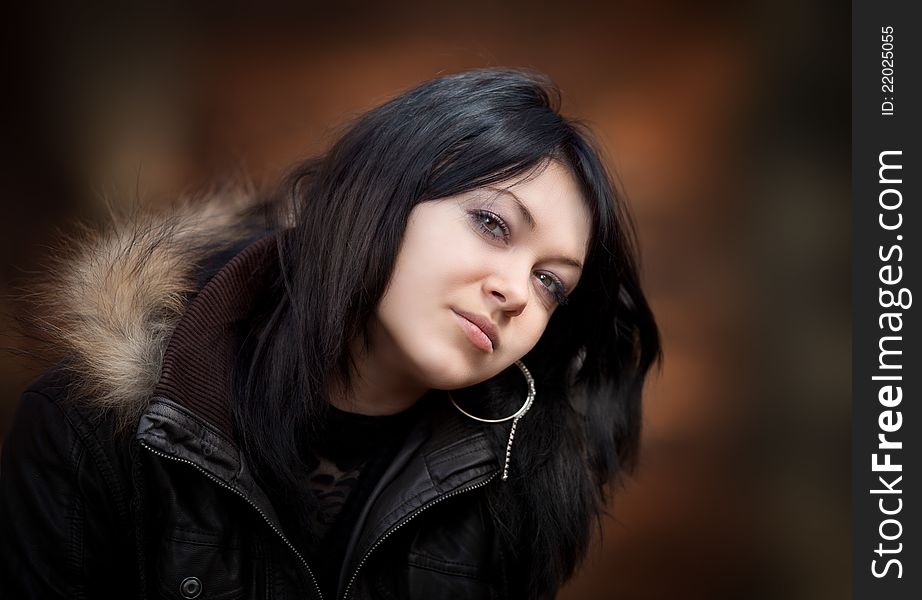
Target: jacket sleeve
(58, 522)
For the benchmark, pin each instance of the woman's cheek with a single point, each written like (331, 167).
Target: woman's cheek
(529, 338)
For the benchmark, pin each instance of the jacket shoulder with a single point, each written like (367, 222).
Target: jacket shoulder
(65, 495)
(54, 421)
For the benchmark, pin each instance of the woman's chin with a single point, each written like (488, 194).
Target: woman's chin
(450, 370)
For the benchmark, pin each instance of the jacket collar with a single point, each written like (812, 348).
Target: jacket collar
(445, 455)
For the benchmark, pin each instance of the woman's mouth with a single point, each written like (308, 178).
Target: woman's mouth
(476, 332)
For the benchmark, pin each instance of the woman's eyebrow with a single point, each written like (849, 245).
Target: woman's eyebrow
(567, 261)
(526, 214)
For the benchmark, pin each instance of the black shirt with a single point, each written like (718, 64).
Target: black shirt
(345, 462)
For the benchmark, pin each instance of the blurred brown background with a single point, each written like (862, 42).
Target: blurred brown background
(728, 123)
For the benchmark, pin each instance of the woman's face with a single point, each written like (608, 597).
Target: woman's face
(478, 276)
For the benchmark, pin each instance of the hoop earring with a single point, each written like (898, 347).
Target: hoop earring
(515, 416)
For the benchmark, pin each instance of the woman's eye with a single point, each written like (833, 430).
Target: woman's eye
(553, 286)
(490, 224)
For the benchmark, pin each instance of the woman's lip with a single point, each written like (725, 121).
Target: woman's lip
(475, 334)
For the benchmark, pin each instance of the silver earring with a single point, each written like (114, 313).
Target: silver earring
(515, 416)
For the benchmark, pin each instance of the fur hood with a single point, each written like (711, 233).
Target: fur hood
(112, 298)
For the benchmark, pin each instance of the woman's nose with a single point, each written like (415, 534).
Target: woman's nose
(509, 290)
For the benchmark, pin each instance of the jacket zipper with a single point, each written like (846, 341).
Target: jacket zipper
(248, 501)
(406, 520)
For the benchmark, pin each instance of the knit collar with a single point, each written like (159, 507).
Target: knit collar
(198, 361)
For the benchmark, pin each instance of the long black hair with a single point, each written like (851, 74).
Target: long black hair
(349, 209)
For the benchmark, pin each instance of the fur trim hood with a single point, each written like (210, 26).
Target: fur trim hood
(111, 304)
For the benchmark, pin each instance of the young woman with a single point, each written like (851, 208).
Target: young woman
(420, 382)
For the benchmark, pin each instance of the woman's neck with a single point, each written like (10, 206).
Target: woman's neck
(379, 385)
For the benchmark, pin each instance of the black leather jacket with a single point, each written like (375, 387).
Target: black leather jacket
(175, 513)
(172, 510)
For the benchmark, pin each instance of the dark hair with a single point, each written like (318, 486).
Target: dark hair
(351, 205)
